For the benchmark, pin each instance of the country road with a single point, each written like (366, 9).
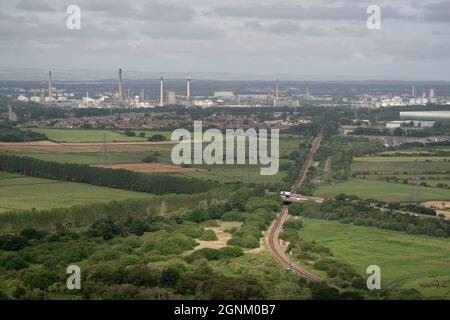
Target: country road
(277, 226)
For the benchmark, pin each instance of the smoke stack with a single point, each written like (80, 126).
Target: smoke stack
(189, 88)
(50, 86)
(120, 86)
(275, 102)
(161, 93)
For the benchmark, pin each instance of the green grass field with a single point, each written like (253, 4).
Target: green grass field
(381, 190)
(287, 142)
(20, 192)
(406, 261)
(235, 173)
(400, 159)
(400, 167)
(91, 135)
(91, 158)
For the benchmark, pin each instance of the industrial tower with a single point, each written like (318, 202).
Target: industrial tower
(161, 93)
(120, 86)
(50, 86)
(275, 102)
(189, 90)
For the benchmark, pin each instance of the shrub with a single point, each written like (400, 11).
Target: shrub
(208, 235)
(33, 234)
(295, 224)
(156, 138)
(12, 261)
(197, 215)
(150, 159)
(11, 242)
(234, 216)
(215, 254)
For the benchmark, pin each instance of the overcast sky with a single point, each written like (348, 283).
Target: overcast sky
(328, 38)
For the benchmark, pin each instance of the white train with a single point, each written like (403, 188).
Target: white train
(289, 197)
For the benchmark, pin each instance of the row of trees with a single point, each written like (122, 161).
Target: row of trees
(10, 133)
(120, 179)
(362, 213)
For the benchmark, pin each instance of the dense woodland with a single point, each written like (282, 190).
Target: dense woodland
(10, 133)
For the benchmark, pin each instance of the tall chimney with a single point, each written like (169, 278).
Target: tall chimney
(161, 93)
(50, 86)
(275, 102)
(120, 86)
(189, 88)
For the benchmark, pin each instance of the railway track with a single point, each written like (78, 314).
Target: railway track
(277, 226)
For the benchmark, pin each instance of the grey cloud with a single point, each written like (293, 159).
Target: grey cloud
(166, 11)
(34, 6)
(438, 12)
(111, 8)
(282, 27)
(298, 12)
(182, 30)
(150, 11)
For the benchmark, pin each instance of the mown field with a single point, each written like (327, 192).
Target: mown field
(387, 165)
(20, 192)
(93, 135)
(386, 191)
(401, 159)
(235, 173)
(92, 158)
(406, 261)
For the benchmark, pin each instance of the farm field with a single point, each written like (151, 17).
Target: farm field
(235, 173)
(386, 191)
(52, 147)
(411, 167)
(406, 261)
(20, 192)
(93, 135)
(401, 159)
(150, 167)
(97, 158)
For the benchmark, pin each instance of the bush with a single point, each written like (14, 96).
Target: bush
(234, 216)
(189, 229)
(208, 235)
(11, 242)
(215, 254)
(129, 133)
(216, 211)
(12, 261)
(105, 228)
(150, 159)
(157, 138)
(197, 215)
(289, 235)
(295, 209)
(295, 224)
(33, 234)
